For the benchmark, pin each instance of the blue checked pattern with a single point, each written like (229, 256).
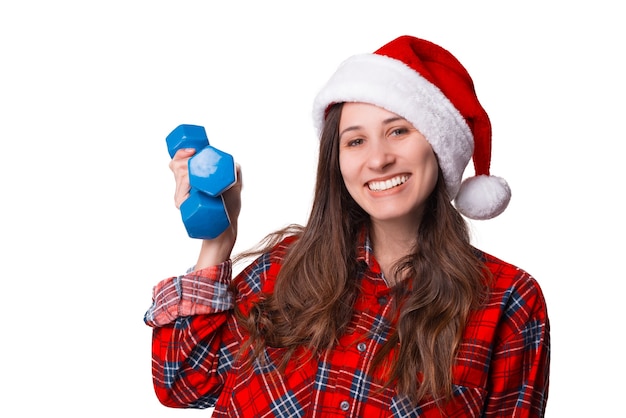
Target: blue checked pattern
(287, 406)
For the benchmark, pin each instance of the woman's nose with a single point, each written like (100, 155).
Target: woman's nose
(380, 155)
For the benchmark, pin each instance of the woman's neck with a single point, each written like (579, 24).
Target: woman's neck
(391, 242)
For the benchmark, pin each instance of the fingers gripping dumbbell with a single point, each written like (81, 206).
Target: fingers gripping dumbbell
(211, 172)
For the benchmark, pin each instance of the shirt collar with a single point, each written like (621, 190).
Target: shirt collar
(365, 252)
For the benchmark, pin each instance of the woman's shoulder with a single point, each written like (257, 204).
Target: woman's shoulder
(260, 275)
(504, 273)
(278, 252)
(512, 287)
(515, 304)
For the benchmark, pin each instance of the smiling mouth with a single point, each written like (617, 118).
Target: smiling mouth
(379, 186)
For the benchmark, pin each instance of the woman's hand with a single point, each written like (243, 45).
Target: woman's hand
(217, 250)
(179, 165)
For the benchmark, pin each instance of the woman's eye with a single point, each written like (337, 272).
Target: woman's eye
(355, 142)
(399, 131)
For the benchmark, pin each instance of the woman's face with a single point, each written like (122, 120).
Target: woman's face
(387, 165)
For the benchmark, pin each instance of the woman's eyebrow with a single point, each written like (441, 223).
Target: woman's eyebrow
(393, 119)
(348, 129)
(385, 122)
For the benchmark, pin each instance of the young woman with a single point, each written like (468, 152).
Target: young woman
(379, 306)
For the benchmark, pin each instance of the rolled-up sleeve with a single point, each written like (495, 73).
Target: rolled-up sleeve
(199, 292)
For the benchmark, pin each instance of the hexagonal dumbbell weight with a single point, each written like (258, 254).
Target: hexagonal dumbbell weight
(211, 172)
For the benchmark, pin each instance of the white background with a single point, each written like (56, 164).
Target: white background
(89, 90)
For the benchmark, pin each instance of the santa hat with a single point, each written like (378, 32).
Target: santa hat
(429, 87)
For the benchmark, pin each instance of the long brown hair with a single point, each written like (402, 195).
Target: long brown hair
(315, 290)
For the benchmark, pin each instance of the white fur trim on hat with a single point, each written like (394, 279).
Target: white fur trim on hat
(391, 84)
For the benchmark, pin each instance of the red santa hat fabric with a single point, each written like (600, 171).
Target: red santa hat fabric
(428, 86)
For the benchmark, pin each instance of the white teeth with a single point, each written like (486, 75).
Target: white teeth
(379, 186)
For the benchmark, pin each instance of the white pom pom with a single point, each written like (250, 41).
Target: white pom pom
(483, 197)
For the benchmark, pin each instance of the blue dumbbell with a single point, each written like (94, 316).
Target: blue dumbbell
(211, 172)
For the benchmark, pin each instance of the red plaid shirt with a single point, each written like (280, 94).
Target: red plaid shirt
(501, 369)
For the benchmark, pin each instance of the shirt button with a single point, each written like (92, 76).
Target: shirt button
(361, 347)
(382, 300)
(344, 405)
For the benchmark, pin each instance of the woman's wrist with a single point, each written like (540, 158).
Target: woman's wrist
(217, 250)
